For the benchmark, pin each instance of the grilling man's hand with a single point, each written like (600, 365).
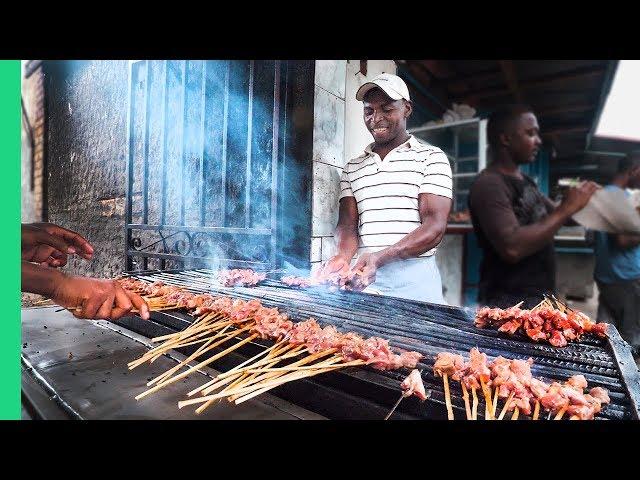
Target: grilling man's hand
(97, 298)
(364, 271)
(336, 264)
(49, 244)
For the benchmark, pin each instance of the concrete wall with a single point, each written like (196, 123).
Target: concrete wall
(449, 259)
(328, 154)
(87, 117)
(32, 159)
(339, 134)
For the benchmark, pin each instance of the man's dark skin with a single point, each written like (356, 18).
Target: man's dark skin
(46, 246)
(519, 145)
(386, 120)
(628, 179)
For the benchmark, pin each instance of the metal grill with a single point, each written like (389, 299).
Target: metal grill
(428, 329)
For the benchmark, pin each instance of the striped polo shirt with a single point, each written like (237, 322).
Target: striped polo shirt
(386, 191)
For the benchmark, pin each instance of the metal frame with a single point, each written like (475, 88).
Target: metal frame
(192, 238)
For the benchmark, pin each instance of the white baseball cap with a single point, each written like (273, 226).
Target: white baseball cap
(392, 85)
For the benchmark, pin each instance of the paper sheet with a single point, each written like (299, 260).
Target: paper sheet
(609, 211)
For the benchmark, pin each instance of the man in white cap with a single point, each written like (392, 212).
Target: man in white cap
(394, 202)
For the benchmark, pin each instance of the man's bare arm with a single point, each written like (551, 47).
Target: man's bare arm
(434, 211)
(346, 233)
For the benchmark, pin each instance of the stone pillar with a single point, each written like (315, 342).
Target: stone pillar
(338, 135)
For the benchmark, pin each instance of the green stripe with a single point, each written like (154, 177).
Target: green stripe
(10, 201)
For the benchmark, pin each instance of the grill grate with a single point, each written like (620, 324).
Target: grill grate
(429, 329)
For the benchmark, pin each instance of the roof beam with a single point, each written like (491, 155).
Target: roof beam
(583, 72)
(564, 129)
(576, 108)
(430, 83)
(509, 72)
(481, 76)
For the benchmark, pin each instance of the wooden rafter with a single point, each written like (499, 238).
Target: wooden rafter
(510, 76)
(538, 82)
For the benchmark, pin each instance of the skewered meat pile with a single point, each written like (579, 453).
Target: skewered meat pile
(513, 381)
(269, 323)
(323, 349)
(541, 324)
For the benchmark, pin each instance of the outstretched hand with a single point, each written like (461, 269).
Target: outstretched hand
(50, 244)
(97, 298)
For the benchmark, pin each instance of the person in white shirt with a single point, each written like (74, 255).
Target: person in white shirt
(394, 202)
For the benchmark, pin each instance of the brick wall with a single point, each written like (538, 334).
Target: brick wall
(33, 195)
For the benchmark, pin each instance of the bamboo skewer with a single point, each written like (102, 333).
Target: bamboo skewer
(255, 357)
(162, 349)
(536, 410)
(465, 395)
(197, 367)
(506, 406)
(244, 377)
(278, 382)
(272, 375)
(474, 409)
(155, 353)
(447, 396)
(237, 369)
(242, 390)
(163, 376)
(200, 351)
(308, 367)
(177, 342)
(245, 380)
(234, 377)
(258, 382)
(487, 398)
(235, 381)
(263, 387)
(172, 339)
(560, 413)
(538, 305)
(516, 413)
(495, 403)
(188, 331)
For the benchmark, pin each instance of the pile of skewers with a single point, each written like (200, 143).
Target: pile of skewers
(301, 349)
(512, 381)
(550, 321)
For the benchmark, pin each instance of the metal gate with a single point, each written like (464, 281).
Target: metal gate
(208, 152)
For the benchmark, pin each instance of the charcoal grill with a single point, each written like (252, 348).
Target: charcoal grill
(364, 393)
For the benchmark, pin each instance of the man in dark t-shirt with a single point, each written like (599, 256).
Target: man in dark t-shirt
(514, 222)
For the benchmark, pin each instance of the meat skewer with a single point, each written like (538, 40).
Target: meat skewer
(447, 364)
(395, 405)
(465, 396)
(412, 385)
(506, 406)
